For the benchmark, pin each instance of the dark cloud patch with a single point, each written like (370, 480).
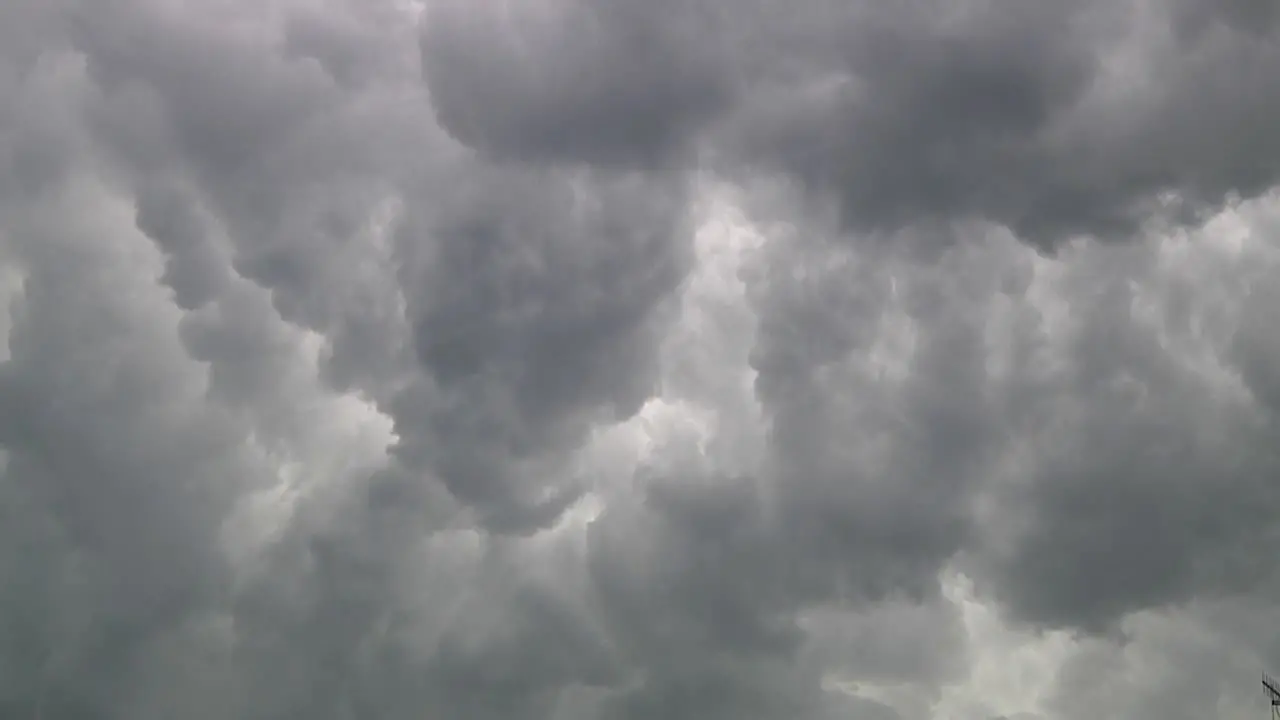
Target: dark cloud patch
(611, 83)
(936, 116)
(1059, 120)
(1074, 119)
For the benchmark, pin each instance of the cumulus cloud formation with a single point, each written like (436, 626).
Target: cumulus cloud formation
(622, 359)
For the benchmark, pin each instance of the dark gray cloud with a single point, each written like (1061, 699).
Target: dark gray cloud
(1126, 507)
(381, 359)
(608, 83)
(536, 304)
(1056, 120)
(530, 295)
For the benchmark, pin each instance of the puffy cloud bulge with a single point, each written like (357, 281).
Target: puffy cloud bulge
(605, 359)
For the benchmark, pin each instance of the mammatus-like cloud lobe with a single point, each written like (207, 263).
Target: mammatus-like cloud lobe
(623, 359)
(1054, 119)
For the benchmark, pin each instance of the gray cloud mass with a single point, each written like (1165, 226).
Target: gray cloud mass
(633, 359)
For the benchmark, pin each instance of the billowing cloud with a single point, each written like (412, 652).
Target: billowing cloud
(1056, 119)
(608, 359)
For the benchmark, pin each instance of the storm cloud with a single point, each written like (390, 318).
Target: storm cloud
(623, 359)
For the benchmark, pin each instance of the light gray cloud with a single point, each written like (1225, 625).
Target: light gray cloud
(110, 450)
(613, 359)
(609, 83)
(536, 303)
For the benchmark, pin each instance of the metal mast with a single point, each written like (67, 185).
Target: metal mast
(1273, 694)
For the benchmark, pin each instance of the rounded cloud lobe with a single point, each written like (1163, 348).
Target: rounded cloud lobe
(615, 359)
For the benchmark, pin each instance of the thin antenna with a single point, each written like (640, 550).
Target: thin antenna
(1272, 689)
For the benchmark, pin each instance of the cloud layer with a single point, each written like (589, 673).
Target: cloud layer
(605, 359)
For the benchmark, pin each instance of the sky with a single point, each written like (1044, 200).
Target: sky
(639, 359)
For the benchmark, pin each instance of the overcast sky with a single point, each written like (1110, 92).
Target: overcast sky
(639, 359)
